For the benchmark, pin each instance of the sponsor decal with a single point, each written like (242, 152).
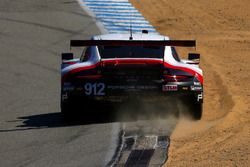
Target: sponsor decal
(197, 83)
(67, 86)
(184, 88)
(199, 97)
(196, 88)
(79, 89)
(64, 96)
(127, 87)
(169, 88)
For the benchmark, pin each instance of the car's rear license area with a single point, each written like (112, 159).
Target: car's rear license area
(118, 82)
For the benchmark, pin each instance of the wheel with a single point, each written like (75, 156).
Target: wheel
(196, 110)
(189, 105)
(66, 110)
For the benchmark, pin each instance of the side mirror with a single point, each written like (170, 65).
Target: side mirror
(67, 56)
(193, 56)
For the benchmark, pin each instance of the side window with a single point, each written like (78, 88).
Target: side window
(175, 54)
(85, 54)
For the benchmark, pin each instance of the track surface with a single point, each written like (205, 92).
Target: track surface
(33, 33)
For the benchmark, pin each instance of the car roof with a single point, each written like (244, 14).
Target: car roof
(141, 36)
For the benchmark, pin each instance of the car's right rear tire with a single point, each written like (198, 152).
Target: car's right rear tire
(191, 106)
(196, 110)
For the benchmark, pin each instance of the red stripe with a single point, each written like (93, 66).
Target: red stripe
(174, 76)
(188, 70)
(79, 69)
(132, 61)
(70, 63)
(152, 61)
(90, 76)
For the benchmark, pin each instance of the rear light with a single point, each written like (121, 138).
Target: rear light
(89, 76)
(79, 78)
(177, 78)
(70, 62)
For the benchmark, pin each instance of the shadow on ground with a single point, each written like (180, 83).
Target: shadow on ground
(96, 116)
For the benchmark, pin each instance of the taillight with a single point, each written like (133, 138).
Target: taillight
(177, 78)
(97, 76)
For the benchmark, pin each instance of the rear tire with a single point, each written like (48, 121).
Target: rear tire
(191, 107)
(66, 111)
(196, 110)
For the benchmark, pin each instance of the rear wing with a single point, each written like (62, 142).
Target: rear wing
(178, 43)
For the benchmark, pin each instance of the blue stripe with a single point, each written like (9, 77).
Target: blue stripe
(128, 12)
(124, 18)
(127, 25)
(115, 13)
(104, 1)
(105, 5)
(113, 9)
(128, 30)
(119, 15)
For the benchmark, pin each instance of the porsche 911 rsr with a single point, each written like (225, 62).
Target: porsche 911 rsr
(117, 68)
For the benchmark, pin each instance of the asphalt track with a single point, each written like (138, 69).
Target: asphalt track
(33, 33)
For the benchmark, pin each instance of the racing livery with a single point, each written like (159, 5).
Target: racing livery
(115, 68)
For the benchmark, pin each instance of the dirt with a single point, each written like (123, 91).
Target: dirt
(222, 31)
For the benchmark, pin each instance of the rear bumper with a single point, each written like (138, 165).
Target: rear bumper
(121, 94)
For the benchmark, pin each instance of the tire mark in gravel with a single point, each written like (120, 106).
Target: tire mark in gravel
(144, 143)
(225, 98)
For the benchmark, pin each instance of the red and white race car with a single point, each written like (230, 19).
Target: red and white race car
(115, 68)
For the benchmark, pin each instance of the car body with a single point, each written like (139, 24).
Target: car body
(115, 68)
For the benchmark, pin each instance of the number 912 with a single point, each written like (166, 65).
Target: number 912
(97, 89)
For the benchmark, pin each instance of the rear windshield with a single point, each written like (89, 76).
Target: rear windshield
(131, 51)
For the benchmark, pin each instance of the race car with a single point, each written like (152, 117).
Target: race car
(117, 68)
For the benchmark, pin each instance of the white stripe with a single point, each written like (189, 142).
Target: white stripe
(124, 21)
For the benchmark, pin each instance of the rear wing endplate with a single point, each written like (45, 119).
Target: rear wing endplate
(178, 43)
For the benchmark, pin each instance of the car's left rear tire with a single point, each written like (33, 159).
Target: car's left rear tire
(66, 110)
